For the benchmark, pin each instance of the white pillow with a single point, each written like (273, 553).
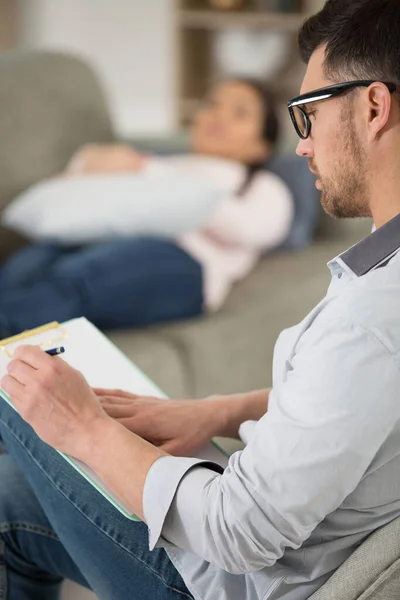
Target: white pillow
(92, 208)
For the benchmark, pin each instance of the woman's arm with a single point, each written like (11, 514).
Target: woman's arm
(260, 219)
(105, 158)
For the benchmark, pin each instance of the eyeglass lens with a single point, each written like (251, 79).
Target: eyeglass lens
(301, 121)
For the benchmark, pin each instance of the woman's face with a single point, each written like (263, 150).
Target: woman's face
(229, 124)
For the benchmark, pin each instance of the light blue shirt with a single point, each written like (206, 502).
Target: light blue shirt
(322, 469)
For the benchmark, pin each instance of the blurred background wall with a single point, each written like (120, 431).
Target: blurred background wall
(156, 58)
(130, 42)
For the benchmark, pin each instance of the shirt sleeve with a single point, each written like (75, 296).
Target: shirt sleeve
(259, 219)
(323, 428)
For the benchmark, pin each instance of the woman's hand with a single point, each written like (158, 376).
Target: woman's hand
(105, 158)
(55, 400)
(178, 427)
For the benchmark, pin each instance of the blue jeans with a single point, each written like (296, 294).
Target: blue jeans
(123, 283)
(54, 525)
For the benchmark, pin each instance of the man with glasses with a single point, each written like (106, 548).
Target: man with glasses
(321, 470)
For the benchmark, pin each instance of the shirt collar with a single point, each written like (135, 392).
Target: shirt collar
(371, 253)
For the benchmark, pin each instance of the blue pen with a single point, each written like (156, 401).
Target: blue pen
(55, 351)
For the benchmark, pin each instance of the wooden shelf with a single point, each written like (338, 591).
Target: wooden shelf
(197, 27)
(187, 108)
(214, 20)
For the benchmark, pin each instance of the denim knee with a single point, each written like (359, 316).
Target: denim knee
(18, 503)
(12, 490)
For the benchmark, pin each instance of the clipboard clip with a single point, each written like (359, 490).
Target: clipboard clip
(56, 334)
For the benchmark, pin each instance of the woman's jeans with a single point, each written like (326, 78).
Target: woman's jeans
(123, 283)
(54, 525)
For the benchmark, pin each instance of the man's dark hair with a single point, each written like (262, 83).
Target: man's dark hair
(361, 38)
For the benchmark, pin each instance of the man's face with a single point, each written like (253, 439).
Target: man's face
(335, 149)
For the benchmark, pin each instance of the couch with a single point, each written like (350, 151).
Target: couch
(51, 105)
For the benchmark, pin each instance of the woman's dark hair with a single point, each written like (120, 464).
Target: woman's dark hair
(361, 38)
(271, 126)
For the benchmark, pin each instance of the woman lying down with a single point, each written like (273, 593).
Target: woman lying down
(95, 252)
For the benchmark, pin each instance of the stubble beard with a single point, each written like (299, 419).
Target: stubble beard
(345, 195)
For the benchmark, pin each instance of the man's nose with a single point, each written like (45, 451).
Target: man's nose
(305, 148)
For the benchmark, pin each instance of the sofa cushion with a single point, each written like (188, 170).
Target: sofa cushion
(157, 357)
(371, 573)
(387, 586)
(294, 171)
(10, 242)
(51, 104)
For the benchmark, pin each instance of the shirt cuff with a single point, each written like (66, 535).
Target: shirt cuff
(160, 488)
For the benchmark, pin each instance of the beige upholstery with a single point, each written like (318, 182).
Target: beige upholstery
(72, 591)
(51, 104)
(371, 573)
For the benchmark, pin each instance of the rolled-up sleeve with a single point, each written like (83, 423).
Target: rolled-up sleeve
(323, 428)
(161, 485)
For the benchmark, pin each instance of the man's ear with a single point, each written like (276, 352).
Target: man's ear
(379, 106)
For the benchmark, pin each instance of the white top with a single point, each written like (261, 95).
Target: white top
(240, 229)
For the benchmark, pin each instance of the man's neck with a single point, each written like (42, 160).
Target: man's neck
(385, 197)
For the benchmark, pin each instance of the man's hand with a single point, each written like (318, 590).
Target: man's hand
(105, 158)
(179, 427)
(54, 399)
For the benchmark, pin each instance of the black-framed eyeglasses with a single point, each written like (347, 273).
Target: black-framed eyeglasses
(298, 114)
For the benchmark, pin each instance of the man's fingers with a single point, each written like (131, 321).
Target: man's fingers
(116, 400)
(117, 411)
(33, 356)
(114, 393)
(21, 371)
(14, 389)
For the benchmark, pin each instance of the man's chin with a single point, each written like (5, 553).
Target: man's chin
(330, 207)
(336, 210)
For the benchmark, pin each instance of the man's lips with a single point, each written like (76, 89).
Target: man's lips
(318, 184)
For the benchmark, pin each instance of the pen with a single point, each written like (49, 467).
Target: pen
(55, 351)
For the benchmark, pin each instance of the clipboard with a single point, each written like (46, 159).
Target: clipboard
(45, 336)
(105, 367)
